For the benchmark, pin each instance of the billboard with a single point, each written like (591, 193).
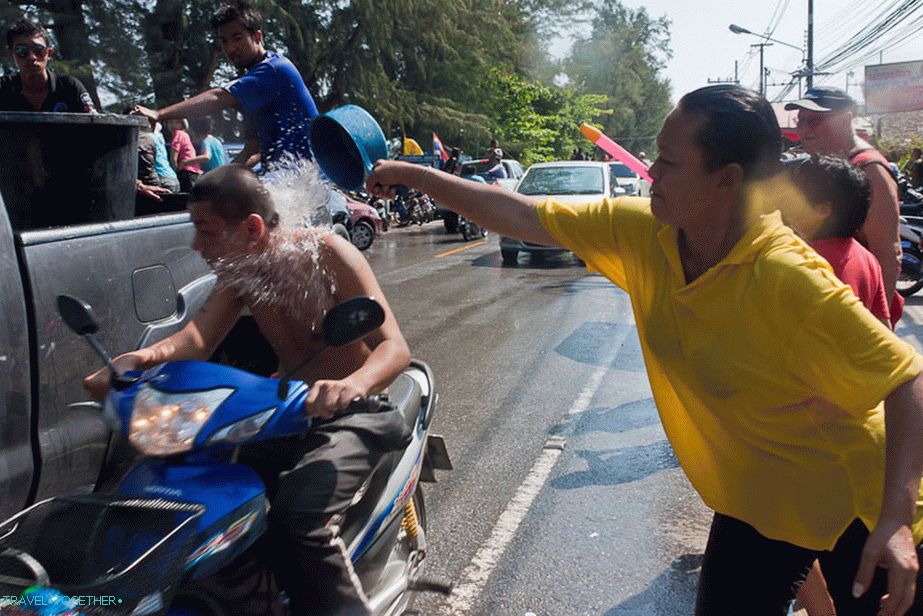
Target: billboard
(894, 87)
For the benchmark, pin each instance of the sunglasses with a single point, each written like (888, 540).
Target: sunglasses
(22, 50)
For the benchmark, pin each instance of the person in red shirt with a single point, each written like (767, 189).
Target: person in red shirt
(837, 193)
(182, 150)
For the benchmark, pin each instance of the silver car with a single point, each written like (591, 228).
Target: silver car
(569, 181)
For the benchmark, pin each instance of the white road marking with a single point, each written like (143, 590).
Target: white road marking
(476, 574)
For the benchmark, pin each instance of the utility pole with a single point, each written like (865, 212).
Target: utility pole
(762, 70)
(810, 61)
(735, 80)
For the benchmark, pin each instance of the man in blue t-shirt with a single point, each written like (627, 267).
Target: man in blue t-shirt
(277, 106)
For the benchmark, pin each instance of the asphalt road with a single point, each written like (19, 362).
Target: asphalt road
(526, 359)
(566, 498)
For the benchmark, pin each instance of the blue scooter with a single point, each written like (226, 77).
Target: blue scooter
(162, 543)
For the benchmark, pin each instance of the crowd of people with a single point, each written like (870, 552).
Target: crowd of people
(765, 315)
(162, 169)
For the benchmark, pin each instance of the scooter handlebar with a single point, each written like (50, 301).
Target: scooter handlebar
(367, 404)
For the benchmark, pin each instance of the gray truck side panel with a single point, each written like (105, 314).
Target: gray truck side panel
(144, 283)
(16, 457)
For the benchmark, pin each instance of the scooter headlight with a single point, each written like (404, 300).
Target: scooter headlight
(165, 423)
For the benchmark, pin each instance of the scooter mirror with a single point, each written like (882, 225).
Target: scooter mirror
(78, 315)
(352, 320)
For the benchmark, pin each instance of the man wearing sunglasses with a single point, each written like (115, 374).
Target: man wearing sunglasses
(36, 87)
(825, 126)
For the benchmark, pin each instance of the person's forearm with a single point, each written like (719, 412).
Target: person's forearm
(904, 457)
(196, 160)
(888, 255)
(206, 103)
(251, 148)
(882, 225)
(500, 210)
(386, 362)
(184, 344)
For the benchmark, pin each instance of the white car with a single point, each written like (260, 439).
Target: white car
(633, 183)
(514, 171)
(571, 181)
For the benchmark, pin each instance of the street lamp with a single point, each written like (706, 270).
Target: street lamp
(741, 30)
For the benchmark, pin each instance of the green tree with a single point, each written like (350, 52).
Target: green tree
(623, 57)
(536, 122)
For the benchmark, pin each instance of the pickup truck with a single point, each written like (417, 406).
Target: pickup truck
(68, 225)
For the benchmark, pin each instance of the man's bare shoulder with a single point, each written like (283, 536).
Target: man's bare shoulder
(336, 253)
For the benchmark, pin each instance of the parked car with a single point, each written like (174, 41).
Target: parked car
(633, 183)
(570, 181)
(366, 223)
(341, 219)
(514, 171)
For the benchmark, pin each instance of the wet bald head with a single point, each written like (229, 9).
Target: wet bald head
(234, 192)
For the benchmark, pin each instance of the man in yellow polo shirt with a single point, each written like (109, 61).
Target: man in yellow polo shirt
(767, 371)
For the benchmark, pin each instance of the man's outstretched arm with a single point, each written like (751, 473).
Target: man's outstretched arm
(505, 212)
(206, 103)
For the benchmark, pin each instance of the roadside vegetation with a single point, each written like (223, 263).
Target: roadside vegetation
(469, 70)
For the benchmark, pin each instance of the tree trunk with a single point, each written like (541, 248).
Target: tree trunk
(164, 30)
(73, 41)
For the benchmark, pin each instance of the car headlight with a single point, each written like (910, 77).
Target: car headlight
(165, 423)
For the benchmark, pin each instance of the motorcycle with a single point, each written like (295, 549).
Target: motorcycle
(384, 212)
(470, 230)
(910, 276)
(420, 208)
(910, 199)
(165, 540)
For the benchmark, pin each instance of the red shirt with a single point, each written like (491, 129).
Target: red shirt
(857, 267)
(183, 146)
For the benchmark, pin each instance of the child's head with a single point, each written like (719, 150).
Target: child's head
(836, 191)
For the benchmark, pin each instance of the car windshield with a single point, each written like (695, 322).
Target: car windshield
(620, 170)
(576, 180)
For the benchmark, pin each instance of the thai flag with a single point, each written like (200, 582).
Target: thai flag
(439, 149)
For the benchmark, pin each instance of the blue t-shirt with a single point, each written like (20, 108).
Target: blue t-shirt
(276, 101)
(162, 162)
(215, 150)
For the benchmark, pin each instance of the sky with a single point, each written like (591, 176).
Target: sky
(704, 48)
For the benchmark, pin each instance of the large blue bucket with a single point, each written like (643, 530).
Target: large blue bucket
(346, 143)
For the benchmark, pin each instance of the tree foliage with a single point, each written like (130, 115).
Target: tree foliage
(468, 69)
(622, 57)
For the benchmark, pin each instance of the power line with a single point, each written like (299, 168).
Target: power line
(872, 33)
(895, 20)
(776, 19)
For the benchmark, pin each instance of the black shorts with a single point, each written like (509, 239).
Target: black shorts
(743, 572)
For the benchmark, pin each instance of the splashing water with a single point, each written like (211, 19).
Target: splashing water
(286, 277)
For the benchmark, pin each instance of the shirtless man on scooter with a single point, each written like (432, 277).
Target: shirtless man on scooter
(267, 270)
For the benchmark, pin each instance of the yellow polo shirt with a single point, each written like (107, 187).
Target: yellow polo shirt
(767, 371)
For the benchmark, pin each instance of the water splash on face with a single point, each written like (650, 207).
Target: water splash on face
(286, 276)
